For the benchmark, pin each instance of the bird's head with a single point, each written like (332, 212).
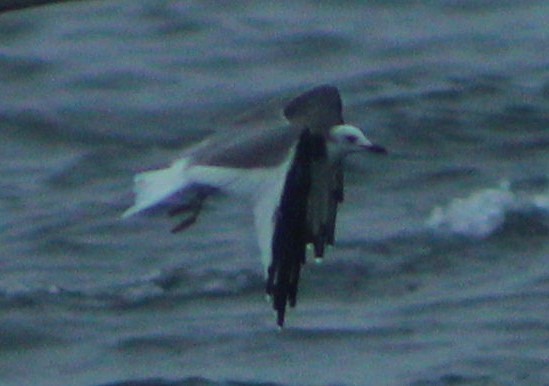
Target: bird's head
(346, 139)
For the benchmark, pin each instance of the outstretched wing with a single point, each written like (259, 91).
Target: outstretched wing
(308, 204)
(291, 232)
(318, 110)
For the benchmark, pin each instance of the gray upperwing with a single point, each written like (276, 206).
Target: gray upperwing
(317, 110)
(247, 148)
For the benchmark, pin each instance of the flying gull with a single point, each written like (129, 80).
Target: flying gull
(293, 176)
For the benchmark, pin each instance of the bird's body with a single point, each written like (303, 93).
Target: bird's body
(292, 175)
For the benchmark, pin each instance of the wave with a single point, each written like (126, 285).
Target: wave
(541, 201)
(518, 209)
(179, 284)
(15, 68)
(486, 211)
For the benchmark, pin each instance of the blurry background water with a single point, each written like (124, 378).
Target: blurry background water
(441, 271)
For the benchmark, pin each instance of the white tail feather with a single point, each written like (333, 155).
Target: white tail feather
(153, 187)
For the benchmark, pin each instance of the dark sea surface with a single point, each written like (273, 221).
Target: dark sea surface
(440, 275)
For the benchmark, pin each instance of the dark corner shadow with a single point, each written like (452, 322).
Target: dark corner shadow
(187, 382)
(14, 5)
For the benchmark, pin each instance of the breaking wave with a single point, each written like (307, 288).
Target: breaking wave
(486, 211)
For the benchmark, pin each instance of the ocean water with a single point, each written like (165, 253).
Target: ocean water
(440, 274)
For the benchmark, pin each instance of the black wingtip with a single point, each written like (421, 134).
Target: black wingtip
(280, 319)
(319, 108)
(15, 5)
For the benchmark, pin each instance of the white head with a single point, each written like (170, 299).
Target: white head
(346, 139)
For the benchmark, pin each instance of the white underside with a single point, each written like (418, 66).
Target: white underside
(262, 186)
(154, 186)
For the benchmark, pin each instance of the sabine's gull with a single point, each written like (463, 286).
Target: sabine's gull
(293, 175)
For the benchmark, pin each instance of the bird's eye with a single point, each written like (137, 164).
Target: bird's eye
(351, 138)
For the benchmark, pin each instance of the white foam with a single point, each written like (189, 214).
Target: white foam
(477, 215)
(541, 201)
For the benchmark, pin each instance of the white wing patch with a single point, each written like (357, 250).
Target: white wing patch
(152, 187)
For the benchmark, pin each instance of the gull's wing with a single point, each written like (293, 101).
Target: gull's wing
(319, 110)
(248, 148)
(291, 233)
(312, 189)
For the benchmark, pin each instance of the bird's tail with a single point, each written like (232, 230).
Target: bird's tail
(152, 187)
